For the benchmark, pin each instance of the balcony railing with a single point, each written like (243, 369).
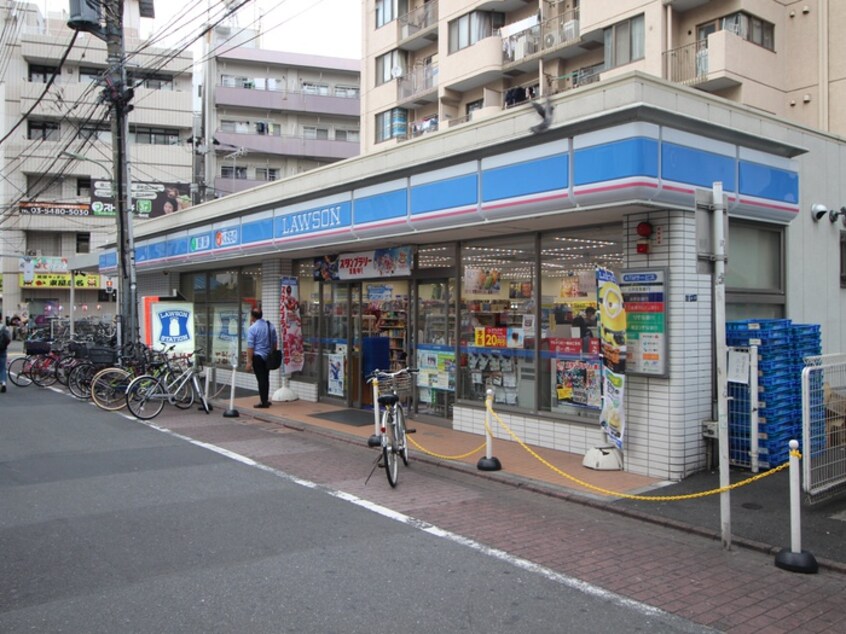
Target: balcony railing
(417, 82)
(551, 34)
(417, 20)
(687, 64)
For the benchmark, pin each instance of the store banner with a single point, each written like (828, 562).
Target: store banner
(61, 280)
(291, 329)
(392, 262)
(612, 329)
(149, 200)
(172, 325)
(42, 208)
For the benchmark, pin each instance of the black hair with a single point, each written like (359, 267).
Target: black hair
(256, 312)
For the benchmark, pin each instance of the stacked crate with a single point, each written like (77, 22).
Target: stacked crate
(782, 347)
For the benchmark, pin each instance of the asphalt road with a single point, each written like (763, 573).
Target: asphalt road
(109, 525)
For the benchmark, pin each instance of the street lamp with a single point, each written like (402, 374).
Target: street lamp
(127, 304)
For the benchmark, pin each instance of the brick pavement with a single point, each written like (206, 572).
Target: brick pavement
(682, 573)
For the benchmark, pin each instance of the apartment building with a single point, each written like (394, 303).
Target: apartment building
(433, 64)
(270, 114)
(55, 206)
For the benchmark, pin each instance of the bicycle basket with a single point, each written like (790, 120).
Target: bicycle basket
(37, 347)
(102, 355)
(401, 385)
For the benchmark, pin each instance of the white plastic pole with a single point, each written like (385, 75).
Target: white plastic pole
(795, 500)
(721, 362)
(488, 437)
(375, 386)
(755, 405)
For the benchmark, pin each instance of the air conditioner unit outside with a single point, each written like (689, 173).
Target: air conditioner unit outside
(550, 40)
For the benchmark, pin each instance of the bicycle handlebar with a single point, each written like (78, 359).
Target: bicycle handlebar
(382, 374)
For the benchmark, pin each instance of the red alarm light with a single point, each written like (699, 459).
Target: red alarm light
(645, 229)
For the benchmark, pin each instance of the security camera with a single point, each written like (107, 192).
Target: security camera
(165, 272)
(818, 211)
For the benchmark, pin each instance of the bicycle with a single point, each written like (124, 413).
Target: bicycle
(146, 395)
(109, 385)
(389, 388)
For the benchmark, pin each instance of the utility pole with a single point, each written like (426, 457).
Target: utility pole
(84, 17)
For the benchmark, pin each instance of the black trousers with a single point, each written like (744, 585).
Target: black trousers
(262, 376)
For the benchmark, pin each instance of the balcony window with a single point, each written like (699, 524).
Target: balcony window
(39, 74)
(154, 81)
(474, 105)
(389, 66)
(91, 74)
(238, 172)
(392, 124)
(42, 130)
(389, 10)
(237, 127)
(473, 27)
(237, 81)
(267, 128)
(83, 186)
(83, 242)
(348, 92)
(154, 136)
(267, 173)
(744, 25)
(310, 88)
(347, 135)
(624, 42)
(93, 132)
(311, 132)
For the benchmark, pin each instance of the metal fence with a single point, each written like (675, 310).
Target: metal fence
(743, 408)
(824, 425)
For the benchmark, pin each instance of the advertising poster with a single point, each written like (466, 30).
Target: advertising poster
(437, 367)
(335, 385)
(390, 262)
(149, 200)
(482, 281)
(578, 382)
(173, 325)
(291, 328)
(612, 328)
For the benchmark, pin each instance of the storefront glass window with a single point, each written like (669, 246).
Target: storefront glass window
(436, 256)
(309, 296)
(223, 285)
(498, 321)
(569, 356)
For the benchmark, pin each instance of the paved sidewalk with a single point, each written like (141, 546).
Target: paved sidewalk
(760, 512)
(739, 591)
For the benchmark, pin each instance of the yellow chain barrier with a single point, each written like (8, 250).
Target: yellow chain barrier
(442, 457)
(629, 496)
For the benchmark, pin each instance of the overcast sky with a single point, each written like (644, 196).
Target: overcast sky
(317, 27)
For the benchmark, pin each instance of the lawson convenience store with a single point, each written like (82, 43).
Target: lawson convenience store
(474, 255)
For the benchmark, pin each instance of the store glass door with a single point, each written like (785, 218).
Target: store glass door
(435, 347)
(341, 375)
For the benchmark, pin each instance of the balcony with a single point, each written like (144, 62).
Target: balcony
(418, 87)
(318, 149)
(475, 65)
(716, 63)
(287, 101)
(557, 37)
(418, 28)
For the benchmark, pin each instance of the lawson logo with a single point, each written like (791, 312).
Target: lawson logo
(174, 326)
(226, 238)
(200, 243)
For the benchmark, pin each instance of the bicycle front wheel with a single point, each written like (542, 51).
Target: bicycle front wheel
(183, 397)
(18, 371)
(402, 441)
(79, 380)
(145, 397)
(43, 371)
(389, 449)
(108, 388)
